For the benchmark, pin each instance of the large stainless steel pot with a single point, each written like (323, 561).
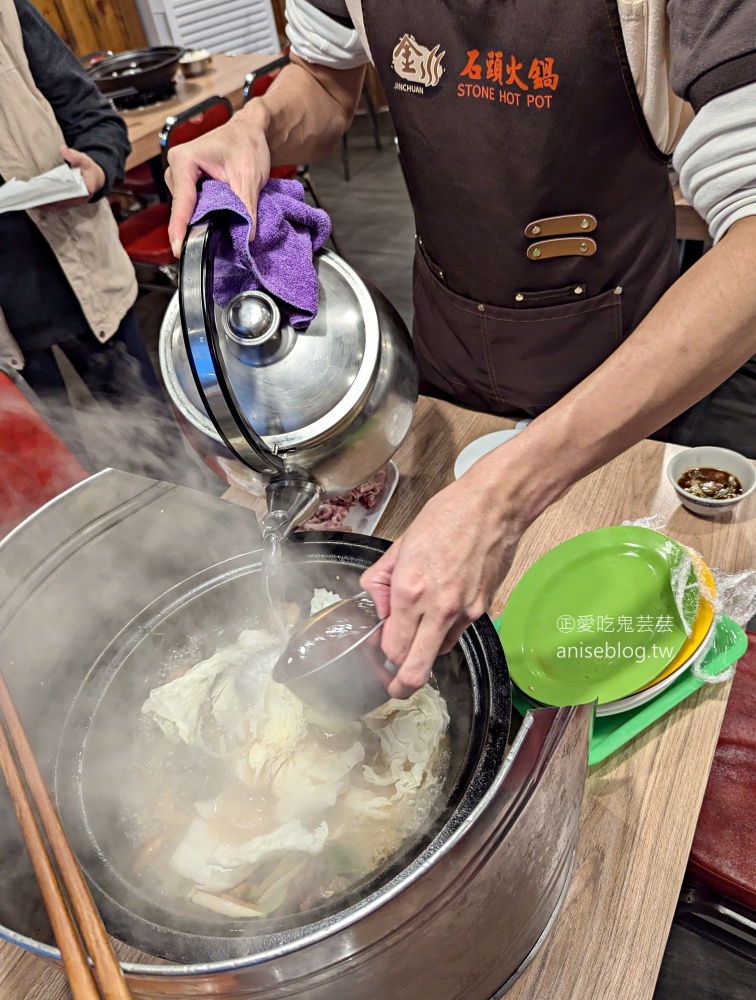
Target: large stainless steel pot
(456, 918)
(296, 414)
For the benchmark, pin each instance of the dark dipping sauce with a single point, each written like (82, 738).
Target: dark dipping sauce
(710, 484)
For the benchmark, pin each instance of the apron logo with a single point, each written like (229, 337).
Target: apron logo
(505, 81)
(419, 66)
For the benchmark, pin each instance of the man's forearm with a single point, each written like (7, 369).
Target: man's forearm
(700, 332)
(306, 111)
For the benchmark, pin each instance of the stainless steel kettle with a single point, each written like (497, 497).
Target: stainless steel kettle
(296, 415)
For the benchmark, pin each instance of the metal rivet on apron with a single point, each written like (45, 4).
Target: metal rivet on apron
(536, 252)
(618, 290)
(579, 290)
(535, 230)
(440, 274)
(419, 241)
(481, 308)
(583, 248)
(519, 297)
(584, 224)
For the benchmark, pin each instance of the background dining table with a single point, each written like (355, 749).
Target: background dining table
(225, 79)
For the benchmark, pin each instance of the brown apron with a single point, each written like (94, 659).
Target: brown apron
(507, 114)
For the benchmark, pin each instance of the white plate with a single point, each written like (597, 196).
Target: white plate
(480, 447)
(643, 697)
(364, 521)
(359, 519)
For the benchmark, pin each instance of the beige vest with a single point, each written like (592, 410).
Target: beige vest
(84, 238)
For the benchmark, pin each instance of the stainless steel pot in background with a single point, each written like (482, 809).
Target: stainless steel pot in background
(195, 63)
(141, 69)
(106, 577)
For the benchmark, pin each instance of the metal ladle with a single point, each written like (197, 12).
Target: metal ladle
(334, 662)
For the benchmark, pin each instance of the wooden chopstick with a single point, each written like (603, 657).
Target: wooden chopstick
(81, 910)
(74, 960)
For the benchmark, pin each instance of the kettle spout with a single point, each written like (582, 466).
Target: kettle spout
(292, 498)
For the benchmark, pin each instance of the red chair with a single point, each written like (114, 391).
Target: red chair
(35, 465)
(256, 84)
(140, 183)
(145, 234)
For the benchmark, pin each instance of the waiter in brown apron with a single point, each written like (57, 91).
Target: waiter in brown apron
(545, 246)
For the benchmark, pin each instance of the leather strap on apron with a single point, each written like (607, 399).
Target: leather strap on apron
(509, 114)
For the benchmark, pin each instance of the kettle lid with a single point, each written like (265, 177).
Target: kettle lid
(290, 385)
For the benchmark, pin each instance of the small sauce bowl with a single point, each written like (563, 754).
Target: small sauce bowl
(195, 63)
(711, 458)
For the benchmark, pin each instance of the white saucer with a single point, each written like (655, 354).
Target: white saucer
(480, 447)
(648, 694)
(364, 521)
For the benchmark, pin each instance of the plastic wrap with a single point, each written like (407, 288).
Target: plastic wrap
(733, 595)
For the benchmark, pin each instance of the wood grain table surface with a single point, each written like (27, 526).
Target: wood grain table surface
(225, 79)
(641, 804)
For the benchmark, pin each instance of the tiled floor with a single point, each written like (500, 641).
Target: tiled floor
(371, 215)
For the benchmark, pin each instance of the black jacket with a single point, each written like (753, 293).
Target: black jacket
(39, 305)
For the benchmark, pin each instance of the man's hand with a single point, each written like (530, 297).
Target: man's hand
(92, 173)
(298, 120)
(236, 153)
(442, 573)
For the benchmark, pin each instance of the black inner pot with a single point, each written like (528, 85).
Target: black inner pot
(98, 743)
(142, 69)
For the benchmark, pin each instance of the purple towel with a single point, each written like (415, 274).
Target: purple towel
(279, 259)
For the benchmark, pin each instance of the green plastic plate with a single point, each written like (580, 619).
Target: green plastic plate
(596, 618)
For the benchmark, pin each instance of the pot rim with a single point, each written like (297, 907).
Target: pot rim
(422, 865)
(165, 54)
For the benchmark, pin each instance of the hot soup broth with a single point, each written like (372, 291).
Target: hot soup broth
(272, 809)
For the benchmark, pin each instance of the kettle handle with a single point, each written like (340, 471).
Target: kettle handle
(204, 352)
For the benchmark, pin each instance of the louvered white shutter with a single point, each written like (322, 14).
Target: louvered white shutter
(218, 25)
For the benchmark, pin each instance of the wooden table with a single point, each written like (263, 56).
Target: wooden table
(641, 804)
(225, 79)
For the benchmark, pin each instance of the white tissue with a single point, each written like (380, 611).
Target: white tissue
(59, 184)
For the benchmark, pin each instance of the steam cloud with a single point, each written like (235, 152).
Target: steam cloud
(135, 432)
